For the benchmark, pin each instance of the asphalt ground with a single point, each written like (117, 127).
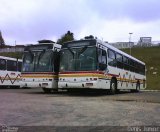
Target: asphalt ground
(32, 107)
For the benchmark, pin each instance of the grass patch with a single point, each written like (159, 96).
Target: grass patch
(12, 54)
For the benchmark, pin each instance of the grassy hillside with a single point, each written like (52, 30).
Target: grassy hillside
(151, 56)
(13, 55)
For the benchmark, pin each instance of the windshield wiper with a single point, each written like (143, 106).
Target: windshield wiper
(40, 55)
(81, 51)
(71, 52)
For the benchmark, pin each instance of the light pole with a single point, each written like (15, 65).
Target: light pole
(130, 42)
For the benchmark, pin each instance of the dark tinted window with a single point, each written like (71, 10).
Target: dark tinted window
(111, 54)
(139, 68)
(132, 64)
(2, 64)
(125, 60)
(19, 66)
(102, 56)
(11, 65)
(126, 63)
(142, 69)
(119, 59)
(136, 65)
(102, 59)
(111, 58)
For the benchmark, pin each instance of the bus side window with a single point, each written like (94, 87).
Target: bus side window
(19, 66)
(119, 59)
(143, 69)
(11, 65)
(125, 63)
(136, 67)
(111, 58)
(132, 68)
(2, 64)
(102, 58)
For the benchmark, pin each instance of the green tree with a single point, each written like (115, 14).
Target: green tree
(2, 43)
(69, 36)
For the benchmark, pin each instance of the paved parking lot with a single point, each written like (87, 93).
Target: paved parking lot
(31, 107)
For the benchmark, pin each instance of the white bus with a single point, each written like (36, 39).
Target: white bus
(40, 66)
(94, 64)
(10, 72)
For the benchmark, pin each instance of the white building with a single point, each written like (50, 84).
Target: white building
(122, 45)
(17, 48)
(145, 42)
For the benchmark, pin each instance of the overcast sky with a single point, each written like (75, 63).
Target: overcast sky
(27, 21)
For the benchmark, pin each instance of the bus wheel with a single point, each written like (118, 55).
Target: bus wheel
(137, 87)
(55, 90)
(113, 86)
(47, 90)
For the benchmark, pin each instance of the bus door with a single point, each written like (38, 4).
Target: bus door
(102, 62)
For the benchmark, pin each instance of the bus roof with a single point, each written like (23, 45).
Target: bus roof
(9, 58)
(42, 46)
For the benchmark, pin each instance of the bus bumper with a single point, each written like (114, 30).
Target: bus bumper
(48, 85)
(66, 85)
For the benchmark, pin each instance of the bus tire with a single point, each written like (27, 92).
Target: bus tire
(46, 90)
(113, 87)
(55, 90)
(138, 86)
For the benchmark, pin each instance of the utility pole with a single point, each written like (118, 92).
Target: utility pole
(130, 34)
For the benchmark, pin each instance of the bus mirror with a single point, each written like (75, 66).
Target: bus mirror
(102, 66)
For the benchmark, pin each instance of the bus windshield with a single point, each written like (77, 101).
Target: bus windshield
(45, 62)
(37, 61)
(28, 63)
(78, 59)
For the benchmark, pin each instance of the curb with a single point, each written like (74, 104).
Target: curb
(150, 90)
